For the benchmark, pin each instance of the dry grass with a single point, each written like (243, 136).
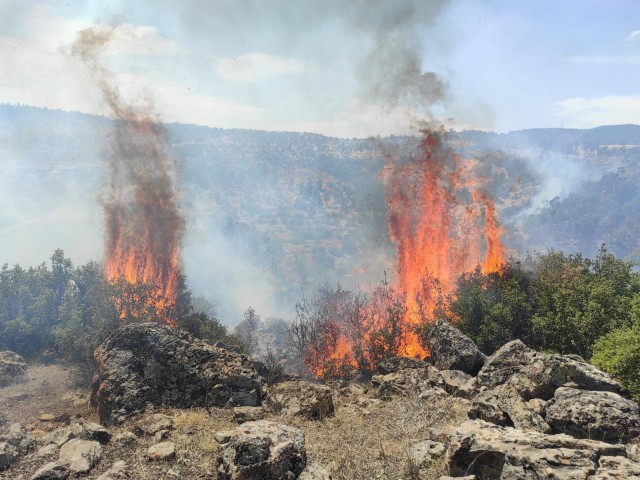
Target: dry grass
(364, 440)
(374, 443)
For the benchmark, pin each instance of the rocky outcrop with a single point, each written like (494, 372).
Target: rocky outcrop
(504, 363)
(458, 383)
(452, 350)
(261, 450)
(492, 452)
(603, 416)
(300, 398)
(411, 380)
(546, 373)
(12, 367)
(146, 363)
(51, 471)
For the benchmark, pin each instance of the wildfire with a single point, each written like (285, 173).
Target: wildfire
(143, 224)
(442, 222)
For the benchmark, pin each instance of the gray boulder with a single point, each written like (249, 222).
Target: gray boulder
(118, 471)
(80, 455)
(546, 373)
(458, 383)
(146, 363)
(424, 454)
(452, 350)
(51, 471)
(300, 398)
(503, 405)
(489, 451)
(603, 416)
(261, 450)
(12, 367)
(15, 442)
(414, 381)
(8, 455)
(504, 363)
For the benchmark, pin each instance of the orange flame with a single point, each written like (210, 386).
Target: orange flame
(143, 223)
(443, 224)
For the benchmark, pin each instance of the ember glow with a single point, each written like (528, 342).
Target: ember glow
(143, 224)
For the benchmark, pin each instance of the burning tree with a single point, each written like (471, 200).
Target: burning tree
(143, 223)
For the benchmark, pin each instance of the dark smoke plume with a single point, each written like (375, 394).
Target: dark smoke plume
(143, 223)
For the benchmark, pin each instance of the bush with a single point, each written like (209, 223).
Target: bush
(618, 353)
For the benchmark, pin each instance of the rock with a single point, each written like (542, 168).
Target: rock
(408, 381)
(60, 436)
(95, 431)
(616, 468)
(80, 455)
(489, 451)
(248, 414)
(453, 350)
(12, 367)
(147, 363)
(458, 383)
(162, 451)
(47, 417)
(603, 416)
(315, 472)
(47, 450)
(125, 438)
(51, 471)
(8, 455)
(17, 436)
(161, 435)
(423, 454)
(503, 405)
(503, 363)
(151, 424)
(300, 398)
(546, 373)
(538, 405)
(395, 364)
(262, 450)
(118, 471)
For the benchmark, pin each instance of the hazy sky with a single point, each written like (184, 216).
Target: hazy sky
(334, 67)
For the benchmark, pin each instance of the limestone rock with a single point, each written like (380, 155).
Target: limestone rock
(80, 455)
(300, 398)
(146, 363)
(503, 405)
(423, 454)
(118, 471)
(248, 414)
(603, 416)
(262, 450)
(453, 350)
(51, 471)
(503, 363)
(17, 436)
(409, 381)
(489, 451)
(95, 431)
(395, 364)
(458, 383)
(546, 373)
(125, 438)
(156, 422)
(616, 468)
(8, 455)
(12, 367)
(47, 450)
(162, 451)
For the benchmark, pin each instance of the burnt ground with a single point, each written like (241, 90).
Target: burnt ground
(360, 442)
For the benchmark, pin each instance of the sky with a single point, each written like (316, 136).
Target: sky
(347, 68)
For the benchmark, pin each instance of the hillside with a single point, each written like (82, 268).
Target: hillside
(271, 212)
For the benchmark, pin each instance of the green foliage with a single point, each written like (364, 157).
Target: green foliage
(618, 353)
(553, 301)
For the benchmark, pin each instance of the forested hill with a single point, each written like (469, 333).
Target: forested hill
(274, 211)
